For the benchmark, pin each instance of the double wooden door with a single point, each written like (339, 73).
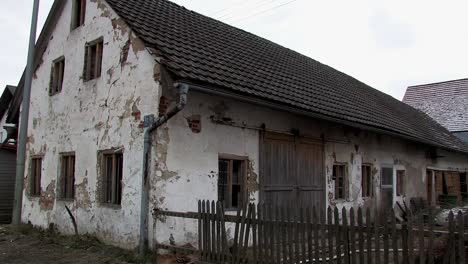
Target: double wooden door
(291, 171)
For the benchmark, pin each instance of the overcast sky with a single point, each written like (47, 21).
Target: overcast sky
(386, 44)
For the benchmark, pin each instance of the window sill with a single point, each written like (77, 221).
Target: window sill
(111, 206)
(66, 200)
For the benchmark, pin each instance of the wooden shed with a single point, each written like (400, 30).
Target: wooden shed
(7, 181)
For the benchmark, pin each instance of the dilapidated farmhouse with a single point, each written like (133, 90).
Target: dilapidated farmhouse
(143, 104)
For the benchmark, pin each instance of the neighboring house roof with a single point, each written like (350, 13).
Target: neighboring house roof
(5, 99)
(203, 50)
(446, 102)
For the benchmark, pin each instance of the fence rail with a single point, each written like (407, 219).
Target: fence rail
(264, 234)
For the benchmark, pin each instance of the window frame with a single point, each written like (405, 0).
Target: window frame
(400, 182)
(70, 157)
(90, 73)
(344, 181)
(35, 180)
(369, 184)
(111, 197)
(78, 14)
(243, 181)
(56, 78)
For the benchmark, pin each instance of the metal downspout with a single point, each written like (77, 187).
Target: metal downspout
(183, 90)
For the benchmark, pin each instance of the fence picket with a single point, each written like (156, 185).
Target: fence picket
(309, 230)
(385, 237)
(369, 236)
(352, 236)
(344, 235)
(303, 230)
(376, 237)
(361, 235)
(410, 238)
(277, 235)
(284, 249)
(261, 234)
(394, 238)
(430, 249)
(422, 247)
(461, 239)
(404, 241)
(451, 243)
(254, 234)
(338, 240)
(289, 226)
(200, 234)
(269, 237)
(296, 236)
(331, 232)
(316, 230)
(322, 232)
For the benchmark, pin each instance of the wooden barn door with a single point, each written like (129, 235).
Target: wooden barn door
(291, 172)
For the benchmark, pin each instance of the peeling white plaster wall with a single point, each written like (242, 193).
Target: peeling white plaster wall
(86, 117)
(100, 114)
(187, 165)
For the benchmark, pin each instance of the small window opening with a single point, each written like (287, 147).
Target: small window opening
(232, 174)
(79, 12)
(93, 60)
(56, 79)
(36, 175)
(68, 176)
(366, 183)
(112, 165)
(339, 175)
(400, 186)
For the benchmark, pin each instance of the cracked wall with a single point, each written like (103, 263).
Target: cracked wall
(87, 117)
(187, 165)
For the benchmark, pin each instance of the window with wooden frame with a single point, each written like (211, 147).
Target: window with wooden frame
(67, 175)
(93, 59)
(366, 181)
(56, 76)
(400, 182)
(231, 181)
(78, 13)
(339, 176)
(112, 166)
(36, 175)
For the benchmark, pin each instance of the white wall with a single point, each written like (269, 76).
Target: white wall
(187, 165)
(86, 117)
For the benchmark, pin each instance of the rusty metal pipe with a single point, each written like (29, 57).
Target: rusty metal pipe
(183, 91)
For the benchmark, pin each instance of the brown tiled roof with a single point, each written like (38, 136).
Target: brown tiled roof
(446, 102)
(200, 49)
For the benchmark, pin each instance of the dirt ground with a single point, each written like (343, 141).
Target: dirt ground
(25, 244)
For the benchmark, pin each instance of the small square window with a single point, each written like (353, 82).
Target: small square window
(93, 60)
(112, 166)
(79, 13)
(67, 172)
(366, 181)
(36, 175)
(56, 76)
(339, 175)
(231, 182)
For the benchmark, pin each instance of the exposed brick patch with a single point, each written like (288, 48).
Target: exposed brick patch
(136, 115)
(163, 105)
(194, 123)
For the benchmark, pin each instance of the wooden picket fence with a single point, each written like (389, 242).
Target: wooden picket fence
(264, 234)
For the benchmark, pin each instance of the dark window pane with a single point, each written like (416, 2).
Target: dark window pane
(387, 176)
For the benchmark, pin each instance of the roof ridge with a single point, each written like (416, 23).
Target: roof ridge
(449, 81)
